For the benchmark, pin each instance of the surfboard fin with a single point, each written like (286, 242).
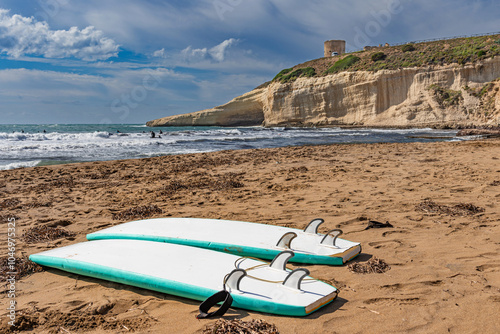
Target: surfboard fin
(312, 227)
(233, 279)
(280, 261)
(294, 279)
(286, 239)
(335, 232)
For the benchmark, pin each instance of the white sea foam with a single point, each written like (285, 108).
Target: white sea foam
(19, 136)
(92, 142)
(14, 165)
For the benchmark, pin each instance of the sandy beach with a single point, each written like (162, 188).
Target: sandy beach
(442, 199)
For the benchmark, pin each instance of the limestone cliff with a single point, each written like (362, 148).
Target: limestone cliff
(244, 110)
(437, 96)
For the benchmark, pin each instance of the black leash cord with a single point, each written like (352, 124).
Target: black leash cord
(221, 296)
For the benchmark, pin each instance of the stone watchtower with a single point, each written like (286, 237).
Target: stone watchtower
(334, 46)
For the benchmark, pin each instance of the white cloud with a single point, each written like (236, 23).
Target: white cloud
(159, 53)
(25, 36)
(216, 53)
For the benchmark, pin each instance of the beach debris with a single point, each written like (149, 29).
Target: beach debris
(301, 169)
(43, 233)
(58, 223)
(220, 182)
(376, 224)
(68, 181)
(37, 204)
(102, 172)
(8, 218)
(141, 212)
(23, 322)
(9, 203)
(237, 326)
(54, 321)
(372, 266)
(461, 209)
(22, 265)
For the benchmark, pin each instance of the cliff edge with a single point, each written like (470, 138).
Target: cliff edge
(374, 89)
(244, 110)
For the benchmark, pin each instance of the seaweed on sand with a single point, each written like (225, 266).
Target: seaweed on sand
(237, 326)
(19, 266)
(45, 233)
(141, 212)
(372, 266)
(461, 209)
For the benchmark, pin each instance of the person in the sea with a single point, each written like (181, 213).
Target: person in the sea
(153, 134)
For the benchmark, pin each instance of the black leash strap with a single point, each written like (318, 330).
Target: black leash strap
(221, 296)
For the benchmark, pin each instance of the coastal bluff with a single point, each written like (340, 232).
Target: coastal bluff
(449, 95)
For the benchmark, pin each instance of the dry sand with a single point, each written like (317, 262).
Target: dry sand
(444, 249)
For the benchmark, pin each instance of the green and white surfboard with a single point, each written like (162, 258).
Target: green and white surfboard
(240, 238)
(195, 273)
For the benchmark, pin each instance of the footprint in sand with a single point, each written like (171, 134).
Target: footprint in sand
(392, 232)
(386, 244)
(394, 301)
(412, 286)
(488, 267)
(495, 299)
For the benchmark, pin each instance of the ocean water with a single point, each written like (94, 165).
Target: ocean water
(39, 145)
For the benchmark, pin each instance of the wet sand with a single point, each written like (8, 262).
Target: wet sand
(443, 200)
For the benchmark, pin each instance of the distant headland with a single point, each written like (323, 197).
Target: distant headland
(448, 83)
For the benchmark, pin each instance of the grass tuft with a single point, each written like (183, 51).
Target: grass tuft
(343, 64)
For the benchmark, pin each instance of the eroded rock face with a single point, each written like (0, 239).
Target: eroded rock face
(440, 96)
(244, 110)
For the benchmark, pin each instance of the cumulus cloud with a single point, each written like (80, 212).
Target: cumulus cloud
(25, 36)
(216, 53)
(159, 53)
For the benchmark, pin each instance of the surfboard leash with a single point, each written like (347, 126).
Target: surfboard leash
(222, 296)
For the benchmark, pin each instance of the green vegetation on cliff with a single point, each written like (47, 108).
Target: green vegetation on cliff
(446, 97)
(288, 75)
(453, 51)
(342, 64)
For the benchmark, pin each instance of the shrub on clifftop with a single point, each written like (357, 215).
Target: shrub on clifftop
(287, 76)
(408, 48)
(342, 64)
(433, 53)
(378, 56)
(282, 73)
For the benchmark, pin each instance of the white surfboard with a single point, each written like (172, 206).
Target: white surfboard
(195, 273)
(240, 238)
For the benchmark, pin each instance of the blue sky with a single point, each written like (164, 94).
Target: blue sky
(124, 61)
